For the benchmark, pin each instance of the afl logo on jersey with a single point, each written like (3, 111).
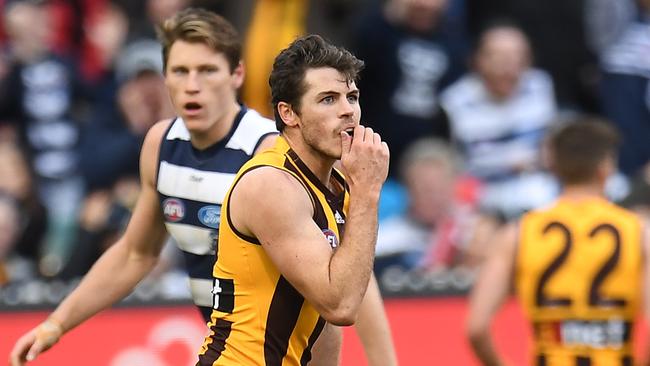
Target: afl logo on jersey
(173, 209)
(331, 238)
(210, 216)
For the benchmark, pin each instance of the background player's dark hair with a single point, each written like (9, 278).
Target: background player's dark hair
(196, 25)
(580, 146)
(289, 68)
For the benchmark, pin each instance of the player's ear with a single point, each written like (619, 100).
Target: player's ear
(607, 167)
(288, 115)
(238, 75)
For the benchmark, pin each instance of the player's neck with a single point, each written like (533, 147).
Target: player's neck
(317, 163)
(219, 129)
(577, 192)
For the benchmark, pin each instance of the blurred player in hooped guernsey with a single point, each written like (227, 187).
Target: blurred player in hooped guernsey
(186, 166)
(580, 267)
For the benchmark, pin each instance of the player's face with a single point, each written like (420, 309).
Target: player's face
(201, 85)
(330, 105)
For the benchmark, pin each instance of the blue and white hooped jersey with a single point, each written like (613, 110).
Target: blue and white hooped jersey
(192, 184)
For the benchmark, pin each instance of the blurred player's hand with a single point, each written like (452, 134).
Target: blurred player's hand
(35, 342)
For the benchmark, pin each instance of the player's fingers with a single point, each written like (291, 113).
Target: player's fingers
(376, 139)
(368, 135)
(385, 147)
(18, 353)
(346, 142)
(16, 361)
(358, 134)
(35, 350)
(47, 334)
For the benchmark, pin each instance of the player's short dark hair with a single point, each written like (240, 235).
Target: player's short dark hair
(287, 79)
(580, 146)
(196, 25)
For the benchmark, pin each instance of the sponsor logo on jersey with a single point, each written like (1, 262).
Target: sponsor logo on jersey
(195, 178)
(595, 334)
(173, 209)
(331, 238)
(210, 216)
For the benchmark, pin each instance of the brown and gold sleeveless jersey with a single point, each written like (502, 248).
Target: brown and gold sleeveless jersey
(258, 317)
(578, 273)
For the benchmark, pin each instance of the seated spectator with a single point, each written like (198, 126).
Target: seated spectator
(556, 30)
(439, 224)
(411, 52)
(42, 96)
(115, 134)
(499, 115)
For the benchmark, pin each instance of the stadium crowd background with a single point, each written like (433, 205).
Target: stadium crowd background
(463, 91)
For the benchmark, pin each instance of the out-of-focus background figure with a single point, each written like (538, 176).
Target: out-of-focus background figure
(441, 224)
(41, 92)
(412, 50)
(619, 35)
(579, 266)
(499, 114)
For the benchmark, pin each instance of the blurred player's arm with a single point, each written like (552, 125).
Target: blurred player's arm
(645, 282)
(327, 349)
(491, 289)
(374, 330)
(117, 271)
(372, 325)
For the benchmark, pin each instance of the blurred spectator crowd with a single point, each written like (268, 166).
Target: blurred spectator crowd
(463, 91)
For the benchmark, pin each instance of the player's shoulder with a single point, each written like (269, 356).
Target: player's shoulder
(251, 130)
(272, 185)
(620, 209)
(151, 149)
(157, 131)
(153, 138)
(252, 120)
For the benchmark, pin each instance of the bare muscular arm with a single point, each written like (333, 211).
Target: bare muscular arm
(118, 270)
(273, 206)
(489, 292)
